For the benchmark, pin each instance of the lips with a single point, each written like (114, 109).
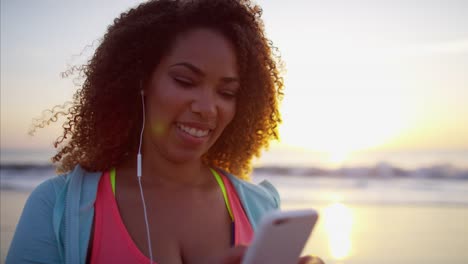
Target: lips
(194, 131)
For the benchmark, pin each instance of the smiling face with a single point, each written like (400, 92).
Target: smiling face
(191, 96)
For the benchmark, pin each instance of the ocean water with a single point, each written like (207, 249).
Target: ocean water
(369, 190)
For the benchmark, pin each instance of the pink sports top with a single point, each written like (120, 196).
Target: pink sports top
(113, 244)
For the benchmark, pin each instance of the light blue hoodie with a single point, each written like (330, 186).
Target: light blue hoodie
(56, 223)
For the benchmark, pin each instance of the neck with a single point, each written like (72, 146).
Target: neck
(165, 172)
(160, 172)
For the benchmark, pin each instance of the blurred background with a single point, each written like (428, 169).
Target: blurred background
(375, 131)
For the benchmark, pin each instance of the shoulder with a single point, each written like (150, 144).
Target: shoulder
(34, 237)
(51, 189)
(48, 198)
(46, 193)
(263, 192)
(256, 199)
(42, 201)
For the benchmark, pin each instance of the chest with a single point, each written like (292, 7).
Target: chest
(185, 227)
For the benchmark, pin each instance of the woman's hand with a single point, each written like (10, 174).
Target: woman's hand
(310, 260)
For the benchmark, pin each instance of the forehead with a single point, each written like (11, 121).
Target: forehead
(205, 48)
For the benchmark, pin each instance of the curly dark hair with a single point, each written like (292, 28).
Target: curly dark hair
(103, 121)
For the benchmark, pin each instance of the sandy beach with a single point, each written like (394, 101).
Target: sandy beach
(347, 233)
(365, 234)
(11, 205)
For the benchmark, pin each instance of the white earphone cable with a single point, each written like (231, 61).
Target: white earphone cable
(139, 173)
(146, 222)
(141, 133)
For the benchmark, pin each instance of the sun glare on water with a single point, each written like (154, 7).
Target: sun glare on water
(338, 220)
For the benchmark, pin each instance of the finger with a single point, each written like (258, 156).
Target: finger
(311, 260)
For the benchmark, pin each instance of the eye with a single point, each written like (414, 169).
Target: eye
(184, 82)
(228, 94)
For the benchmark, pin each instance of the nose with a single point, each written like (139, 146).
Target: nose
(205, 105)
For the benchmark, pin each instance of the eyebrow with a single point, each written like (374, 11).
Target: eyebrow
(199, 72)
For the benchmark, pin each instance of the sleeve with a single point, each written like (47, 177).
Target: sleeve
(34, 239)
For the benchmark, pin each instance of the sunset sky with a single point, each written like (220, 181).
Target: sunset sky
(361, 75)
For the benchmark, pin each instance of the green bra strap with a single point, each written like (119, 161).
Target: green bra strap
(223, 190)
(112, 179)
(216, 175)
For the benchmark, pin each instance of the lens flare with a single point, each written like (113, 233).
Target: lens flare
(157, 128)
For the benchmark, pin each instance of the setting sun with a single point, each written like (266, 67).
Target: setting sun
(339, 124)
(337, 108)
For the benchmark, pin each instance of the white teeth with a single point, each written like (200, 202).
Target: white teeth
(193, 131)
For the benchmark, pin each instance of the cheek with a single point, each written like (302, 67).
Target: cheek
(156, 120)
(229, 113)
(162, 108)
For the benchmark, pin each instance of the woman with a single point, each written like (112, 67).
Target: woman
(177, 99)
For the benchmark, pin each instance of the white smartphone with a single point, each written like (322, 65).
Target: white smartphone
(281, 237)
